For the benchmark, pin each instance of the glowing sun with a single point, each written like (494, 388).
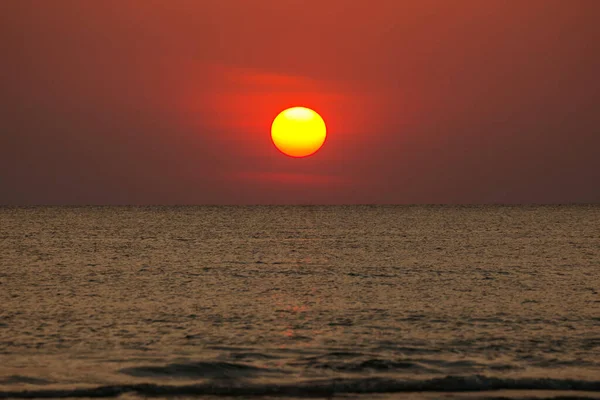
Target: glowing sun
(298, 132)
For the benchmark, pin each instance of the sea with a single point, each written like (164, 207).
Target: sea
(292, 302)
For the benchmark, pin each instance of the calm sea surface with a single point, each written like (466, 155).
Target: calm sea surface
(358, 302)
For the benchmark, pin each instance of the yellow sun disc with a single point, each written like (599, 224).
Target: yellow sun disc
(298, 132)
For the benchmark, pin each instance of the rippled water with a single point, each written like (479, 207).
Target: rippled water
(372, 302)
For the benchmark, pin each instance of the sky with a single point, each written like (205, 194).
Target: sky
(425, 101)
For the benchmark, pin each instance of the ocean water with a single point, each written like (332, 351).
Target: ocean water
(354, 301)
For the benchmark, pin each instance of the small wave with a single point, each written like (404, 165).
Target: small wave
(424, 365)
(372, 365)
(17, 379)
(253, 356)
(218, 370)
(468, 366)
(338, 354)
(321, 388)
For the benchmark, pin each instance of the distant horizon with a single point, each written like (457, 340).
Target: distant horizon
(301, 205)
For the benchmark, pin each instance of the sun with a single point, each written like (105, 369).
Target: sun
(298, 132)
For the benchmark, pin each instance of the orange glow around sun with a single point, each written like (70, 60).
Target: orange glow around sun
(298, 132)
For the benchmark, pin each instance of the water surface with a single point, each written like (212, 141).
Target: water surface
(365, 301)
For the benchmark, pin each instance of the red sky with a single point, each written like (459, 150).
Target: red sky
(426, 101)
